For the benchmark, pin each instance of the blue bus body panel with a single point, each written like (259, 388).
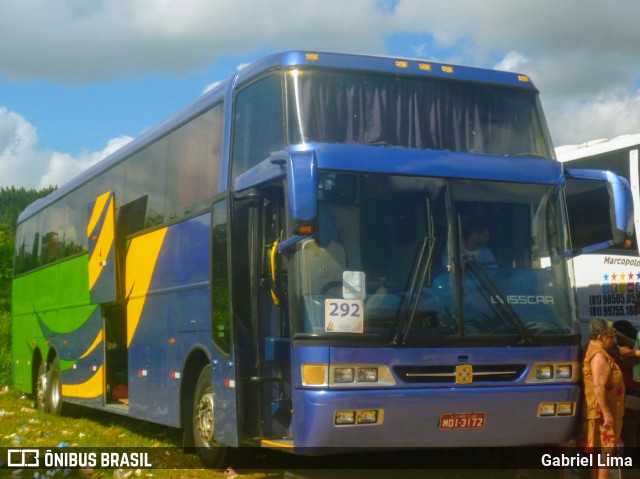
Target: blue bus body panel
(442, 164)
(412, 416)
(412, 411)
(177, 306)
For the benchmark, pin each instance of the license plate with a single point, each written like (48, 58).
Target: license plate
(468, 420)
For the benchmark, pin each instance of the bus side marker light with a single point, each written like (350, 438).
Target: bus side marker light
(229, 383)
(174, 375)
(305, 229)
(142, 372)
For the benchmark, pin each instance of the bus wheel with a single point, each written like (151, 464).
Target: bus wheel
(53, 396)
(42, 382)
(49, 387)
(210, 453)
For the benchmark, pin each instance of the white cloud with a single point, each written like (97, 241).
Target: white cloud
(582, 54)
(62, 166)
(210, 86)
(23, 164)
(513, 61)
(608, 115)
(74, 42)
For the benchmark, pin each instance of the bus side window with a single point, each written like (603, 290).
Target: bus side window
(258, 127)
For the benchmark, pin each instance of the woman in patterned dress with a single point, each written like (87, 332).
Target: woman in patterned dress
(603, 407)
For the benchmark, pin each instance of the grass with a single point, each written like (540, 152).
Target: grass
(22, 426)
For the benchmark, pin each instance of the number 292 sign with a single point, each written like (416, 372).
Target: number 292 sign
(343, 316)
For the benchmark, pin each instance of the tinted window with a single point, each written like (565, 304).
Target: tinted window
(257, 123)
(195, 152)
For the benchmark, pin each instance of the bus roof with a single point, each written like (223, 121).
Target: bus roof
(384, 64)
(596, 147)
(291, 59)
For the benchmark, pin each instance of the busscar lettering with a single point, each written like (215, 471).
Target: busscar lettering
(522, 299)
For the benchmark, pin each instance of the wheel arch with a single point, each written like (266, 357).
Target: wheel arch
(197, 359)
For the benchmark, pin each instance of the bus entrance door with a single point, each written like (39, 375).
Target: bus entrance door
(101, 242)
(104, 291)
(272, 376)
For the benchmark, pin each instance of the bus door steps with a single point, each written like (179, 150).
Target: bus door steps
(277, 443)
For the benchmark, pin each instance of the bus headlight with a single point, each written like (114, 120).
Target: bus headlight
(343, 375)
(564, 371)
(554, 372)
(367, 375)
(360, 375)
(544, 372)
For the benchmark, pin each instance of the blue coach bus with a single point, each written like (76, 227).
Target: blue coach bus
(287, 261)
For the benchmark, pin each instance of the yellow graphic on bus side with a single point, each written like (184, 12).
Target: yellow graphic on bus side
(141, 262)
(92, 388)
(105, 237)
(94, 345)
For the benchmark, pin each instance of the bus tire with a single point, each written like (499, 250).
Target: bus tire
(211, 454)
(42, 380)
(53, 396)
(48, 395)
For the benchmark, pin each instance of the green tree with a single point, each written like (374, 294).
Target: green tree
(6, 268)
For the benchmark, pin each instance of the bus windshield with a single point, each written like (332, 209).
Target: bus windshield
(409, 112)
(422, 258)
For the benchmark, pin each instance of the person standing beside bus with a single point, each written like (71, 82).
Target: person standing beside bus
(626, 357)
(603, 405)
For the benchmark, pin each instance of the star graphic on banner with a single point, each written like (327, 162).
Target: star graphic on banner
(606, 277)
(613, 277)
(630, 276)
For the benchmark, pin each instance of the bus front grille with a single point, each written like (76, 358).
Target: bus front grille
(447, 374)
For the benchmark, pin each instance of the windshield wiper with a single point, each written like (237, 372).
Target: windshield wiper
(423, 270)
(495, 297)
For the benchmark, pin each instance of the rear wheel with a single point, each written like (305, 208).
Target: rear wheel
(211, 454)
(41, 386)
(54, 392)
(49, 387)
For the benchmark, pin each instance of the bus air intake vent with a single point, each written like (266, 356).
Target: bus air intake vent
(447, 374)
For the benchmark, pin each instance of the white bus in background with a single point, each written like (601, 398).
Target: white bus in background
(608, 280)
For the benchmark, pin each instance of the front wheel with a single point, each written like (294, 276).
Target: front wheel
(211, 454)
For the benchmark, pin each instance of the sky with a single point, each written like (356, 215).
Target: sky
(81, 78)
